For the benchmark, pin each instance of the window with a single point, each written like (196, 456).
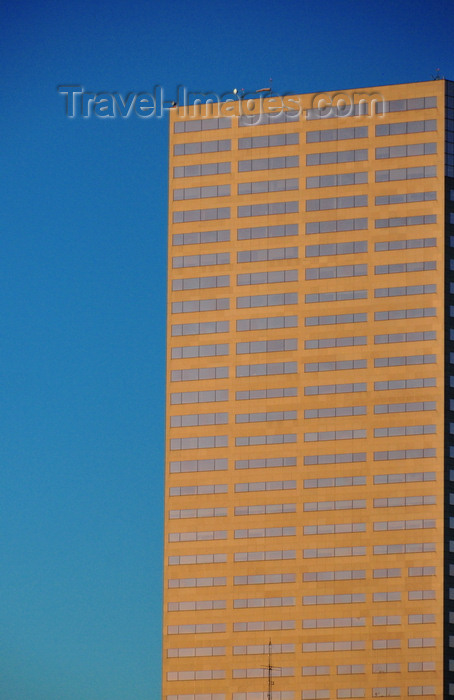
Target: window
(327, 203)
(185, 149)
(336, 225)
(276, 231)
(267, 209)
(268, 141)
(336, 134)
(201, 215)
(201, 169)
(406, 173)
(201, 124)
(317, 273)
(268, 163)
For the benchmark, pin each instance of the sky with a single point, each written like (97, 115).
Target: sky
(82, 297)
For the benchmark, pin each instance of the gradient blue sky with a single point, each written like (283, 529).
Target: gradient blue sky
(82, 299)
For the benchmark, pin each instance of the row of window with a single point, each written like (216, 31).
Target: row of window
(339, 180)
(292, 297)
(315, 694)
(413, 477)
(335, 342)
(347, 248)
(323, 204)
(414, 149)
(325, 482)
(209, 124)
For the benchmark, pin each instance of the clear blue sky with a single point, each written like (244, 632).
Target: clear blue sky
(82, 298)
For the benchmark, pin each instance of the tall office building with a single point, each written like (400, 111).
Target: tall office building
(310, 397)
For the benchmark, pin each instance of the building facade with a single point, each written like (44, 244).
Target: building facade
(309, 397)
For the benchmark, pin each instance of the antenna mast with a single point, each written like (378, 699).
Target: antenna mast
(270, 671)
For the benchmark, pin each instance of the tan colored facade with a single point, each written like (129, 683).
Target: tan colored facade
(305, 449)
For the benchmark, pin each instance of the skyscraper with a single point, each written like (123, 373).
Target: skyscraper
(309, 397)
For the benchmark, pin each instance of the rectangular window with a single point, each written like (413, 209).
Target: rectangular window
(200, 536)
(281, 117)
(335, 389)
(407, 221)
(334, 481)
(264, 369)
(405, 267)
(415, 127)
(186, 149)
(343, 458)
(200, 282)
(278, 393)
(404, 360)
(351, 575)
(194, 238)
(408, 477)
(268, 277)
(196, 443)
(276, 231)
(421, 171)
(245, 166)
(201, 169)
(335, 319)
(201, 215)
(328, 552)
(265, 323)
(329, 622)
(335, 296)
(415, 149)
(260, 186)
(265, 463)
(265, 532)
(405, 291)
(268, 209)
(200, 328)
(335, 412)
(320, 273)
(406, 105)
(334, 366)
(336, 157)
(200, 351)
(340, 180)
(406, 243)
(189, 375)
(268, 416)
(250, 440)
(199, 465)
(335, 342)
(405, 337)
(324, 135)
(259, 255)
(393, 431)
(204, 124)
(278, 345)
(268, 141)
(199, 396)
(258, 300)
(334, 529)
(201, 192)
(198, 305)
(336, 225)
(327, 203)
(426, 453)
(184, 421)
(405, 407)
(348, 248)
(405, 197)
(402, 501)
